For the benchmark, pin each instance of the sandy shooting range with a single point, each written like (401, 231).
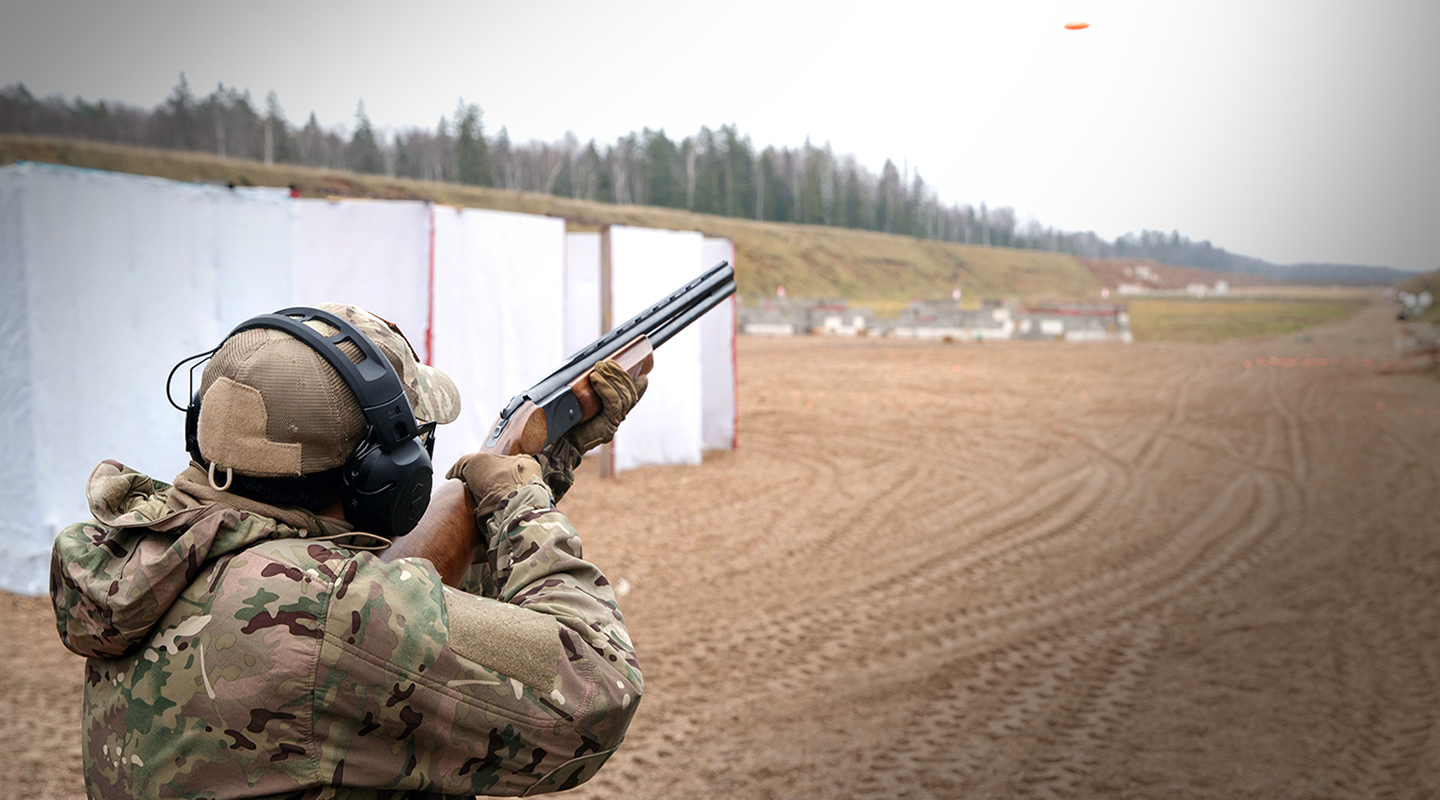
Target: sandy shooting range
(1022, 570)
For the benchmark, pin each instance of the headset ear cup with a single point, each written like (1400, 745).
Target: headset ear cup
(192, 430)
(387, 493)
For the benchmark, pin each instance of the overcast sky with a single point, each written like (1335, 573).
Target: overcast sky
(1290, 131)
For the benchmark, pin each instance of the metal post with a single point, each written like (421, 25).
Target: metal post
(607, 454)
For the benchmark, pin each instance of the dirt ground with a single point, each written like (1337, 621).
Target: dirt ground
(1003, 570)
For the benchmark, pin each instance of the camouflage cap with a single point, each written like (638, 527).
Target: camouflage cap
(271, 406)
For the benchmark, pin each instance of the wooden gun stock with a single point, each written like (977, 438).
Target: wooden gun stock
(543, 413)
(528, 430)
(446, 535)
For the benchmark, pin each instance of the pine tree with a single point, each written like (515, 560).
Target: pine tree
(93, 120)
(914, 222)
(887, 198)
(740, 180)
(310, 143)
(406, 164)
(230, 116)
(281, 147)
(560, 177)
(708, 180)
(439, 163)
(364, 150)
(854, 213)
(20, 111)
(604, 180)
(813, 167)
(622, 170)
(504, 162)
(663, 168)
(179, 111)
(472, 156)
(777, 199)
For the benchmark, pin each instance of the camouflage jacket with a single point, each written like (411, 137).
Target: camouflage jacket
(233, 653)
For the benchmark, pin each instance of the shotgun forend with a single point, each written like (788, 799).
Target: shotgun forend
(546, 411)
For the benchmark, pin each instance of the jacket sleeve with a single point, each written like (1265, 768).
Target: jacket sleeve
(526, 685)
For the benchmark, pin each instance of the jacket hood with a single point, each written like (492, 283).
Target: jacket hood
(114, 577)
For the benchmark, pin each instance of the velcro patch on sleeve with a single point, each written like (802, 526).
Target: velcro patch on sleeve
(514, 641)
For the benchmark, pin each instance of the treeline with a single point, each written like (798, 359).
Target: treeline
(717, 171)
(1172, 248)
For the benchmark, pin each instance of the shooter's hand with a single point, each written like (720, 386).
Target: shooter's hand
(618, 393)
(490, 478)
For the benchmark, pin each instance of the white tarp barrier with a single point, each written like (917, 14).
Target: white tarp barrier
(582, 290)
(717, 360)
(373, 254)
(111, 279)
(665, 427)
(23, 541)
(499, 316)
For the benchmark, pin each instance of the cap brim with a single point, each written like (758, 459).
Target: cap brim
(439, 399)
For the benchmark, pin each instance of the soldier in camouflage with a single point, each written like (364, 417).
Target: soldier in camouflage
(242, 646)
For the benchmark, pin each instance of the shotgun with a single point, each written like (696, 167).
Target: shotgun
(543, 413)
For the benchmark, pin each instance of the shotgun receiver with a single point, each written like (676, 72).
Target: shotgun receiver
(543, 413)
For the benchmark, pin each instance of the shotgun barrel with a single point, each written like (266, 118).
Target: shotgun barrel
(563, 399)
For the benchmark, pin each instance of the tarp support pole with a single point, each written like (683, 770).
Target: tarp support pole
(430, 296)
(607, 452)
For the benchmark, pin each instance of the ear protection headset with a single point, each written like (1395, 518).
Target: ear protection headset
(387, 479)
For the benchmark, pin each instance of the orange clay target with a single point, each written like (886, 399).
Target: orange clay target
(1076, 26)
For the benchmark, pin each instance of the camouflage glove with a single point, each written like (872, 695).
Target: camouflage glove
(557, 465)
(490, 478)
(618, 393)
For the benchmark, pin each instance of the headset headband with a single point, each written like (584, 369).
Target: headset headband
(373, 381)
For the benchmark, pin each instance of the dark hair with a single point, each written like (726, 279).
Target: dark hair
(313, 492)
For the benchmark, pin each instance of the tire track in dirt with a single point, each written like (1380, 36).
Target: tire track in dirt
(1064, 515)
(1395, 714)
(1098, 704)
(1035, 582)
(824, 631)
(1021, 700)
(1186, 561)
(1028, 571)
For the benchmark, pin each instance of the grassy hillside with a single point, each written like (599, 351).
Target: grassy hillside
(1218, 319)
(809, 261)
